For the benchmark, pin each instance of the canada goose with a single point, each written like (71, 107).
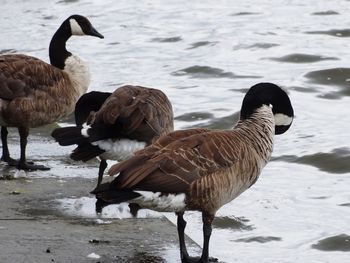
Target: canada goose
(114, 125)
(202, 169)
(34, 93)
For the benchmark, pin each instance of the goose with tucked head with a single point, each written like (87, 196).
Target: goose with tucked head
(114, 125)
(34, 93)
(202, 169)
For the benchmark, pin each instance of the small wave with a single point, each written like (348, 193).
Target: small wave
(67, 1)
(335, 243)
(332, 32)
(242, 90)
(325, 13)
(245, 14)
(7, 51)
(236, 223)
(332, 95)
(303, 89)
(166, 39)
(259, 239)
(201, 44)
(301, 58)
(187, 87)
(113, 43)
(49, 17)
(260, 45)
(263, 45)
(222, 123)
(333, 77)
(204, 72)
(337, 161)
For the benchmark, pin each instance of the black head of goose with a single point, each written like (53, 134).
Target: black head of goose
(114, 125)
(202, 169)
(34, 93)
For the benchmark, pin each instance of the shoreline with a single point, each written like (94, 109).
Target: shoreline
(33, 229)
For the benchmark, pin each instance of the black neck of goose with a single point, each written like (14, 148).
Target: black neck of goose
(57, 51)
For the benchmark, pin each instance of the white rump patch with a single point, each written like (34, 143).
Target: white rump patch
(161, 202)
(119, 149)
(75, 27)
(282, 119)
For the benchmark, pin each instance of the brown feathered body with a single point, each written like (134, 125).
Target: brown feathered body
(202, 169)
(34, 93)
(197, 169)
(115, 125)
(140, 113)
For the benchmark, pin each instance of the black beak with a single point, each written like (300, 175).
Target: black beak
(93, 32)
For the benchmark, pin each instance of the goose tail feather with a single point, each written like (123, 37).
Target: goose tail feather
(69, 136)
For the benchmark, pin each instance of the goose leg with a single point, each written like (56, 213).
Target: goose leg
(185, 258)
(5, 150)
(99, 203)
(207, 229)
(23, 164)
(181, 225)
(102, 168)
(134, 208)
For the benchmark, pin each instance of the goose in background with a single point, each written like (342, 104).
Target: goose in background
(115, 125)
(202, 169)
(34, 93)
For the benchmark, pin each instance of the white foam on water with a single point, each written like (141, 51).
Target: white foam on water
(85, 207)
(94, 256)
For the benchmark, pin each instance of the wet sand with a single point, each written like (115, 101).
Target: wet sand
(32, 229)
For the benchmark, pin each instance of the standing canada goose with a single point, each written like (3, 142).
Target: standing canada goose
(202, 169)
(34, 93)
(115, 125)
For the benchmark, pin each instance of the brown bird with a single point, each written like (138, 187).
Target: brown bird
(115, 125)
(202, 169)
(34, 93)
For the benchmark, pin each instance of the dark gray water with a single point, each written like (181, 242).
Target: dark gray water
(204, 55)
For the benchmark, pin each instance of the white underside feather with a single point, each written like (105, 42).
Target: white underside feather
(119, 149)
(162, 203)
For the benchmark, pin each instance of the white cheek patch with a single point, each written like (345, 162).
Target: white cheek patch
(282, 119)
(75, 28)
(161, 203)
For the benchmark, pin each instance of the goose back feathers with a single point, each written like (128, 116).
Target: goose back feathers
(130, 113)
(31, 92)
(138, 113)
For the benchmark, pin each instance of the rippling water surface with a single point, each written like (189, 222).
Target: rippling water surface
(205, 55)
